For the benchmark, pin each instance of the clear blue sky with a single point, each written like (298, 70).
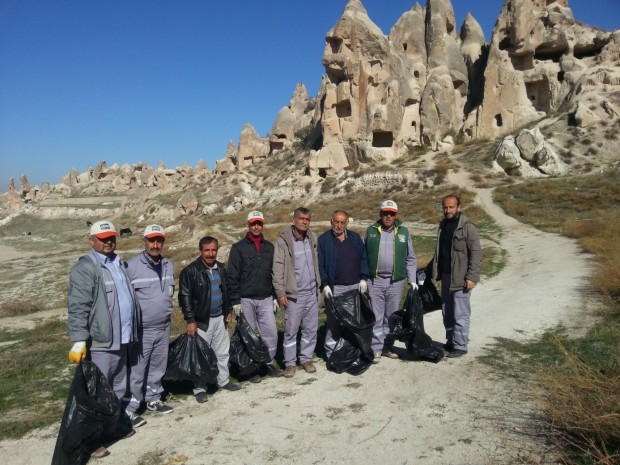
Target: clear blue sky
(172, 81)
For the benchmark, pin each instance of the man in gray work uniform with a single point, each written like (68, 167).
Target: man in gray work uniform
(152, 277)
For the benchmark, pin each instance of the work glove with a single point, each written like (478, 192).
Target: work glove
(327, 292)
(414, 286)
(363, 286)
(237, 310)
(275, 306)
(78, 352)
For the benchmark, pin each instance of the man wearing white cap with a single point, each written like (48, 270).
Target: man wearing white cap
(103, 312)
(391, 260)
(250, 288)
(152, 277)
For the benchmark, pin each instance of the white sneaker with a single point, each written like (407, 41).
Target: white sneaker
(158, 407)
(377, 358)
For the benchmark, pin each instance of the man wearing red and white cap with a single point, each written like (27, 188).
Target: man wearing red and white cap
(391, 260)
(103, 312)
(250, 288)
(152, 277)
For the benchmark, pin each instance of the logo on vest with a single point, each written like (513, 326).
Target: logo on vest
(402, 238)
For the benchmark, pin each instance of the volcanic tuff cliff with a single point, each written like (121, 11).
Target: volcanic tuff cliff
(422, 85)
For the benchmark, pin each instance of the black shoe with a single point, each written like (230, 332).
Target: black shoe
(136, 420)
(454, 353)
(231, 387)
(201, 397)
(273, 372)
(448, 347)
(254, 379)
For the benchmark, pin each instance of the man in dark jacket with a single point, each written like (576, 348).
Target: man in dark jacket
(457, 263)
(250, 289)
(343, 267)
(203, 298)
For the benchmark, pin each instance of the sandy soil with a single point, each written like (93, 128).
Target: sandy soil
(454, 412)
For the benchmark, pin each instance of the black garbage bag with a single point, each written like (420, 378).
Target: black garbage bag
(92, 407)
(418, 342)
(428, 292)
(247, 350)
(353, 310)
(400, 327)
(191, 359)
(347, 356)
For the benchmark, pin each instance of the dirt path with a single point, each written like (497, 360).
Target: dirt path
(455, 412)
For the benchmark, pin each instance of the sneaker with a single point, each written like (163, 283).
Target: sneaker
(274, 372)
(136, 420)
(231, 387)
(201, 397)
(99, 453)
(158, 407)
(454, 353)
(290, 371)
(255, 379)
(389, 354)
(377, 358)
(309, 367)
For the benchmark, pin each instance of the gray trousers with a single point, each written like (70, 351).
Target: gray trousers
(302, 312)
(385, 295)
(113, 365)
(217, 337)
(332, 335)
(456, 310)
(147, 365)
(259, 313)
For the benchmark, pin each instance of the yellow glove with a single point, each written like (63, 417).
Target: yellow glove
(78, 352)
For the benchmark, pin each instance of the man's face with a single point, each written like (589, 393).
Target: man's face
(387, 218)
(339, 223)
(209, 253)
(105, 246)
(153, 246)
(450, 208)
(256, 228)
(301, 223)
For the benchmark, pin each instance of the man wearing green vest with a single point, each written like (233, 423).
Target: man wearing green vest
(391, 260)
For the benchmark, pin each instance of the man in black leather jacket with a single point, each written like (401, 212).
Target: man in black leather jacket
(203, 298)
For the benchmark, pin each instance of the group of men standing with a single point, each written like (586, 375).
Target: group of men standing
(119, 312)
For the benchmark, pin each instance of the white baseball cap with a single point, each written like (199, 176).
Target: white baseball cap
(389, 206)
(255, 216)
(154, 230)
(103, 229)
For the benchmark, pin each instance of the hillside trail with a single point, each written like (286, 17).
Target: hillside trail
(455, 412)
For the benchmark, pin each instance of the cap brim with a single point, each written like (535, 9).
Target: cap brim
(256, 220)
(105, 235)
(152, 235)
(389, 210)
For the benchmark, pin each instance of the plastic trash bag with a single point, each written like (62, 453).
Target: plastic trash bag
(353, 352)
(428, 292)
(191, 359)
(409, 322)
(247, 349)
(92, 407)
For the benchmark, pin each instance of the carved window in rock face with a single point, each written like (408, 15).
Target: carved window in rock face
(335, 44)
(498, 120)
(382, 139)
(405, 47)
(343, 109)
(416, 74)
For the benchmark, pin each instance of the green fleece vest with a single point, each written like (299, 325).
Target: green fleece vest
(401, 238)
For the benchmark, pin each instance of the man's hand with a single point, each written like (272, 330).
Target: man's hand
(78, 352)
(363, 286)
(469, 285)
(275, 306)
(283, 301)
(192, 329)
(414, 286)
(236, 309)
(327, 292)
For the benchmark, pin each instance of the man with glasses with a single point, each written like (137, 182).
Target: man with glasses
(103, 313)
(152, 277)
(391, 260)
(296, 280)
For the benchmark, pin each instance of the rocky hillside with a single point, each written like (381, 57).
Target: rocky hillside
(545, 90)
